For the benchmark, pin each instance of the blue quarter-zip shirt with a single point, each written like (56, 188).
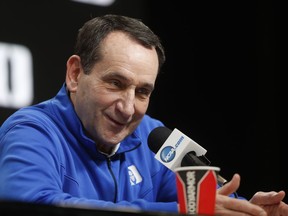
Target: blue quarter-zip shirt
(45, 157)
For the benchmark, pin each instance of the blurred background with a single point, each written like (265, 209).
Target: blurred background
(222, 84)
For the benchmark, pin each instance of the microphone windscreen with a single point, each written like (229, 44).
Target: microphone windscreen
(157, 137)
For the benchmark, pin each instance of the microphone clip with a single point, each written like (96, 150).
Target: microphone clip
(191, 156)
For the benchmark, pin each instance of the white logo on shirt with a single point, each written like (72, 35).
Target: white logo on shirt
(135, 176)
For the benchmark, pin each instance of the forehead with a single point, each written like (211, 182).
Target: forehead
(121, 53)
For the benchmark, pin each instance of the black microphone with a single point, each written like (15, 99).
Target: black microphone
(175, 149)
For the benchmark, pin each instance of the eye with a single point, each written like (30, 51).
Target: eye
(115, 83)
(143, 92)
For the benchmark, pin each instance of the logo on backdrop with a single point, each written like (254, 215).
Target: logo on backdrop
(16, 76)
(104, 3)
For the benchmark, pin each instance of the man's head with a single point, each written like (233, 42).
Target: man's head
(95, 30)
(112, 75)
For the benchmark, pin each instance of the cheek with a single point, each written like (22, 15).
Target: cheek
(141, 107)
(86, 100)
(91, 95)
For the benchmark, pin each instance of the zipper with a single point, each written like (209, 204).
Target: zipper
(114, 178)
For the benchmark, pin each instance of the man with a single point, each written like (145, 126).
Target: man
(87, 146)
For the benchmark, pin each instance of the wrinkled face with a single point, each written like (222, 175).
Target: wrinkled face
(113, 98)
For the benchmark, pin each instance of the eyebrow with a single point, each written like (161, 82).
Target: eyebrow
(124, 78)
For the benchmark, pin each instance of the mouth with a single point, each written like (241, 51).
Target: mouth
(114, 122)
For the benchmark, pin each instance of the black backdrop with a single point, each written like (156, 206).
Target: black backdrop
(220, 84)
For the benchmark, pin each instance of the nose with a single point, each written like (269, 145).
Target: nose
(126, 105)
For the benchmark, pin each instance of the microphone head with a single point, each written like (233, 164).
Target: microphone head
(157, 137)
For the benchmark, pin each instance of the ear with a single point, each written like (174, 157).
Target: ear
(73, 72)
